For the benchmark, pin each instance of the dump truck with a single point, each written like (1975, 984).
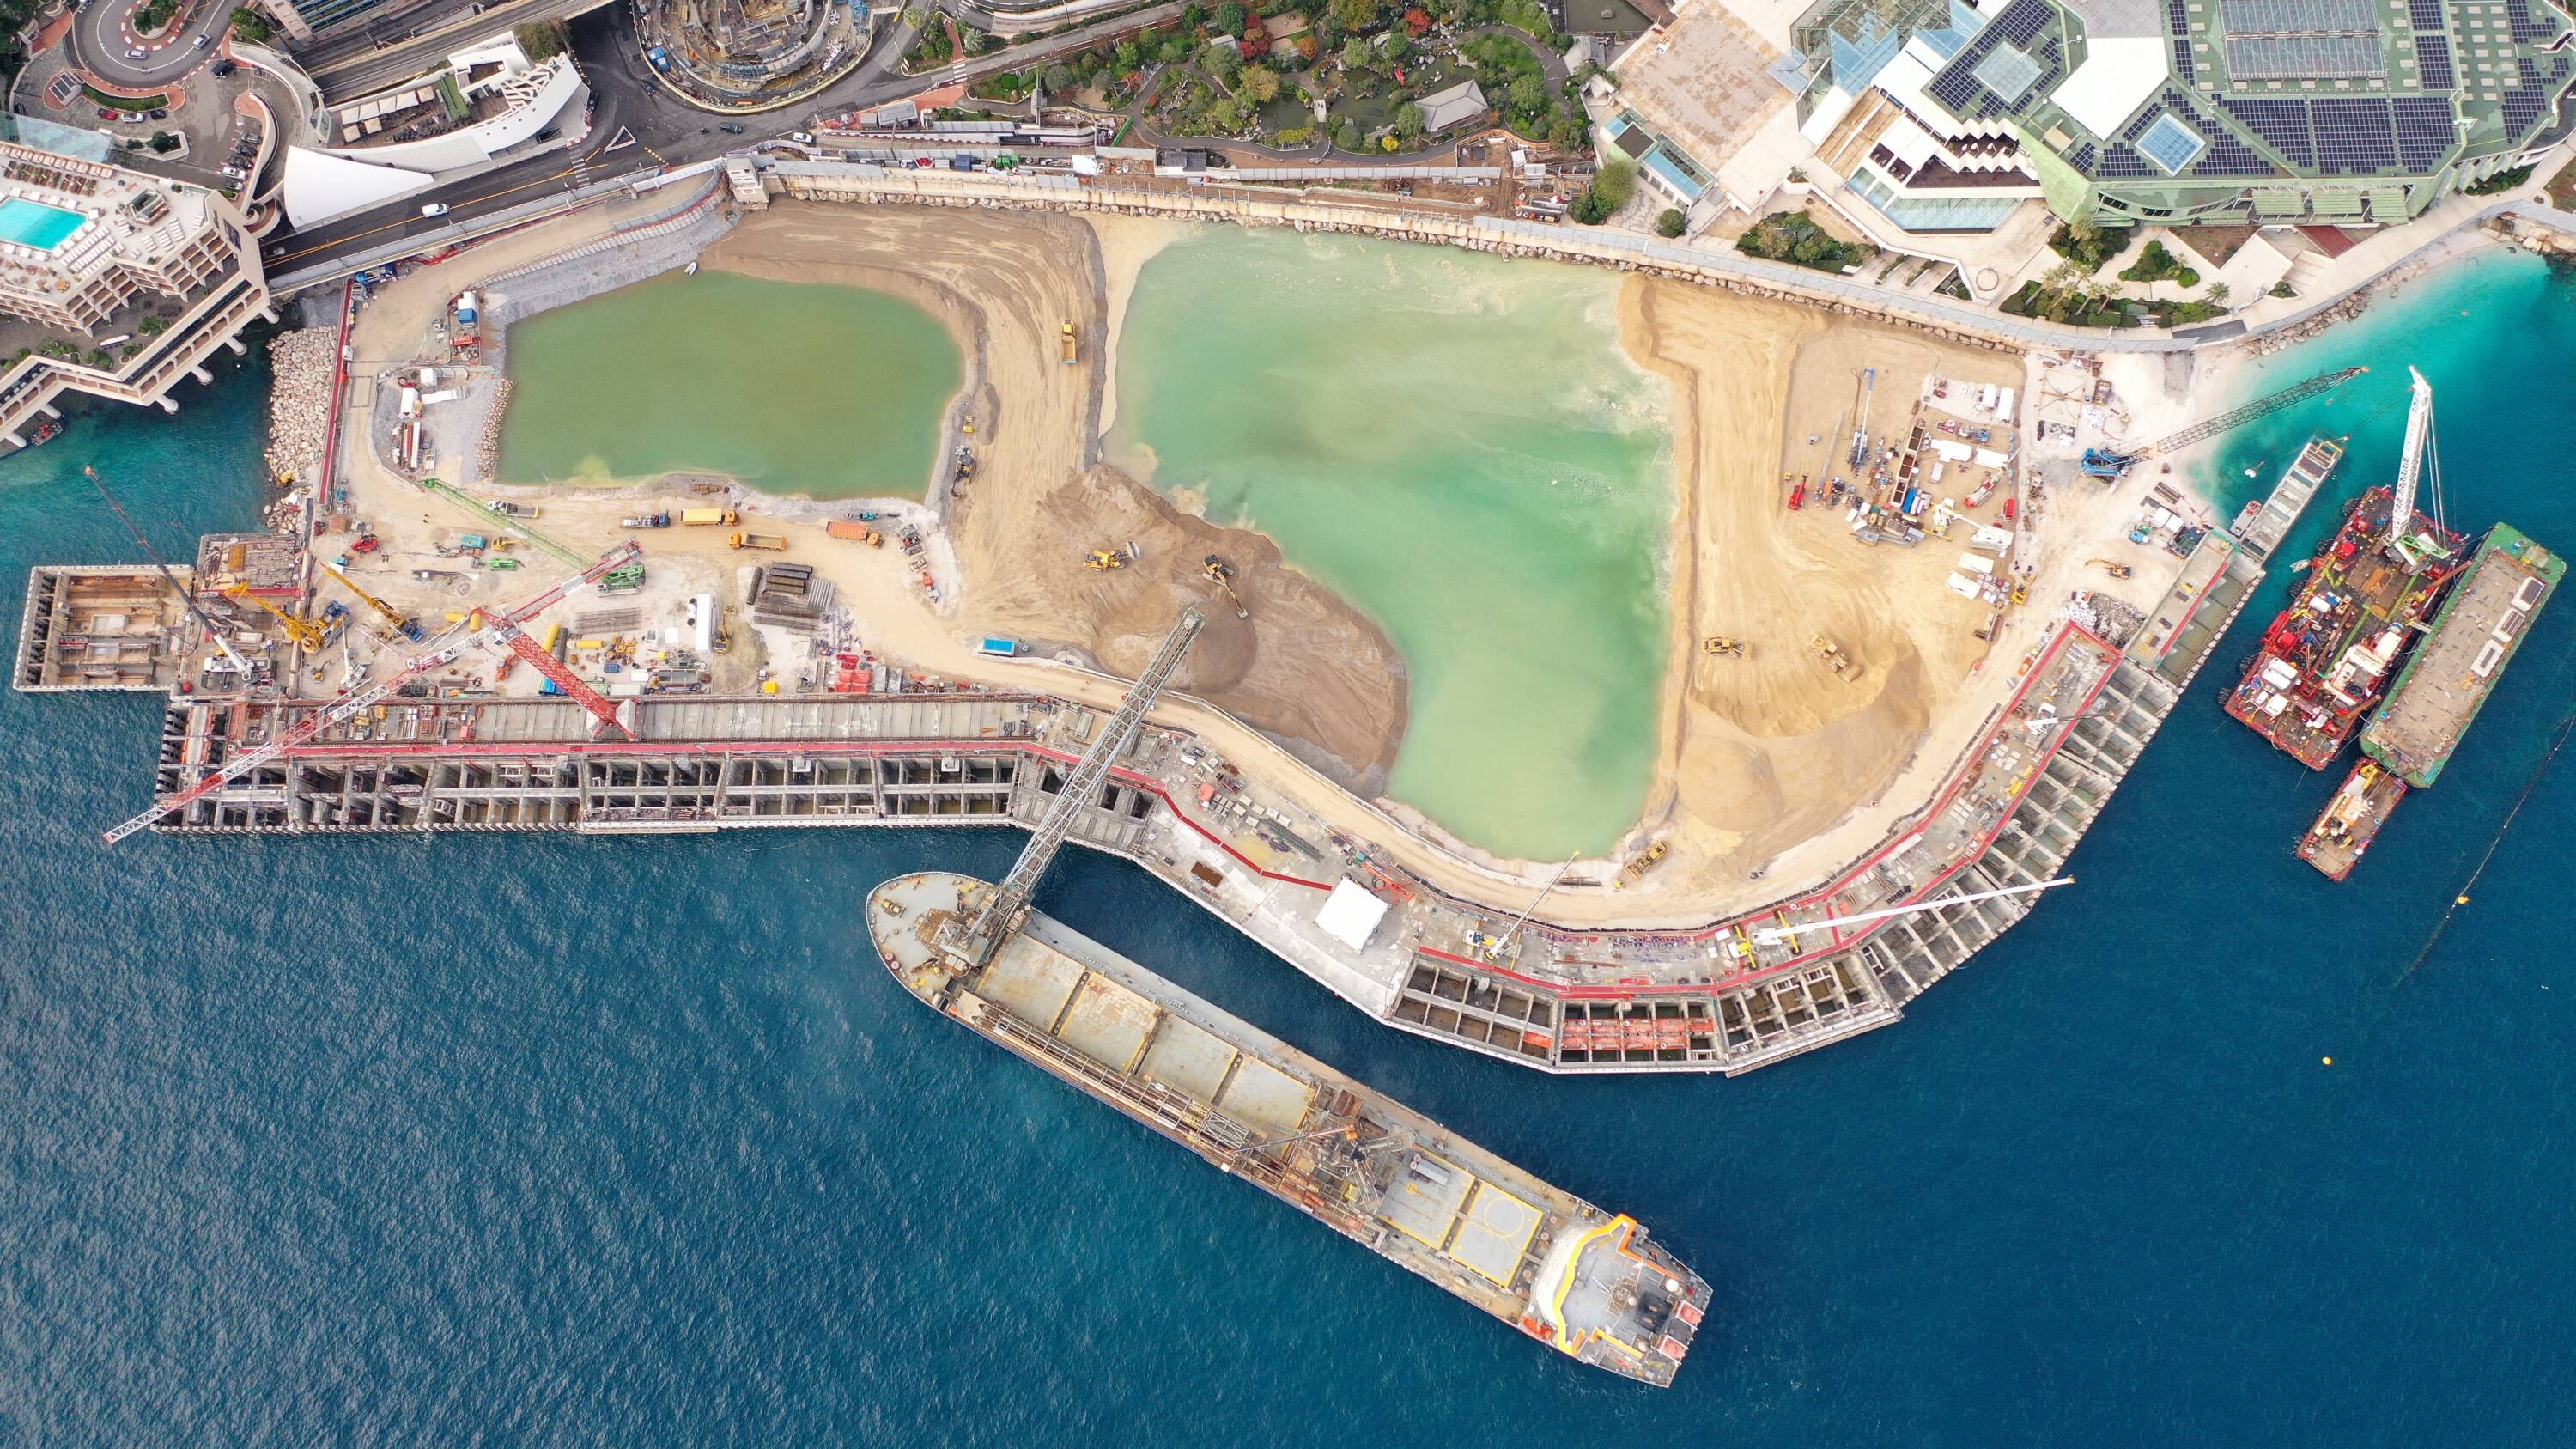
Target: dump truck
(1071, 342)
(709, 517)
(769, 541)
(855, 533)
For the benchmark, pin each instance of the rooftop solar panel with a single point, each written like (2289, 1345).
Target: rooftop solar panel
(2354, 136)
(2424, 14)
(2023, 20)
(2526, 103)
(2433, 63)
(2528, 26)
(2123, 162)
(2300, 17)
(2281, 125)
(2425, 131)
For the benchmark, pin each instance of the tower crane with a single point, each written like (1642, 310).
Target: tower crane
(1774, 935)
(339, 709)
(2103, 463)
(626, 576)
(607, 719)
(185, 596)
(403, 623)
(306, 634)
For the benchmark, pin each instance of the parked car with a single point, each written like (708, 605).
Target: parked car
(107, 113)
(161, 113)
(225, 67)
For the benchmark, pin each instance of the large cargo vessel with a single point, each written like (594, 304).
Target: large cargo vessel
(2489, 609)
(1589, 1283)
(2329, 657)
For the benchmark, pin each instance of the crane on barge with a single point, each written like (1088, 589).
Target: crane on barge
(2104, 463)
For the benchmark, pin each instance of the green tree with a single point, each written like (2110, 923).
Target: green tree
(1672, 222)
(543, 39)
(1528, 96)
(1221, 62)
(1258, 83)
(252, 26)
(1356, 54)
(1353, 14)
(1567, 131)
(1408, 121)
(1347, 136)
(1225, 115)
(1229, 17)
(164, 143)
(1193, 16)
(1615, 183)
(1059, 77)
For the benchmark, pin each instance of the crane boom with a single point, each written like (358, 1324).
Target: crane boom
(349, 704)
(167, 577)
(2103, 463)
(605, 719)
(1773, 935)
(408, 626)
(615, 581)
(2410, 464)
(306, 634)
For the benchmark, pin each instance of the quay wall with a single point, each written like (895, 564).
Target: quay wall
(1719, 998)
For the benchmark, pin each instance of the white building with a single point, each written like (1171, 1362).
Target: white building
(488, 104)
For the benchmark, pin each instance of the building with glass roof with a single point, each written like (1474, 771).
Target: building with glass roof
(1944, 114)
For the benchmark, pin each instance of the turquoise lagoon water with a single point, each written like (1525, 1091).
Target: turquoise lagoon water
(1456, 444)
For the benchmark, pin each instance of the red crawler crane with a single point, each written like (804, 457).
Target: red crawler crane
(606, 721)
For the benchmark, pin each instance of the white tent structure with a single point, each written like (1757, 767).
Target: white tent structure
(1350, 914)
(320, 185)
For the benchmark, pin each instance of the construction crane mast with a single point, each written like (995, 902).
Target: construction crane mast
(618, 581)
(2410, 464)
(349, 704)
(2103, 463)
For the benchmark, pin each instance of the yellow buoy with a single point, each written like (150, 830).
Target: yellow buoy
(2329, 1061)
(2459, 900)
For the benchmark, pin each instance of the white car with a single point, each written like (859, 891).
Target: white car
(435, 208)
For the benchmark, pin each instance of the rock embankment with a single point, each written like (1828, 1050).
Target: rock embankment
(301, 367)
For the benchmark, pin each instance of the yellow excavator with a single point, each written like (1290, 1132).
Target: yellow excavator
(1104, 560)
(1221, 574)
(306, 634)
(1720, 644)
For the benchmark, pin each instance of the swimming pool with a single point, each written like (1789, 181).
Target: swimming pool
(34, 224)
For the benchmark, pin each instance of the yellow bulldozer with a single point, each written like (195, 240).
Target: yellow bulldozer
(1720, 644)
(1832, 653)
(1104, 560)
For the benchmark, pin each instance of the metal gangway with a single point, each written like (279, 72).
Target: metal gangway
(1008, 905)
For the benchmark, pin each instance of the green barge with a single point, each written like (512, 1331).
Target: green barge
(2480, 626)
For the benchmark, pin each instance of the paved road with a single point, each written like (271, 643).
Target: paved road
(99, 43)
(425, 38)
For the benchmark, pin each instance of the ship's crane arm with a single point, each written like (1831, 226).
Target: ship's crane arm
(167, 577)
(1773, 935)
(2104, 463)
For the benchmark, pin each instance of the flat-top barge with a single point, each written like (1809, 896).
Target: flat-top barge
(1588, 1282)
(2489, 609)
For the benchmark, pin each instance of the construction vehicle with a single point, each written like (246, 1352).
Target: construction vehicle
(1635, 870)
(1720, 644)
(1104, 560)
(769, 541)
(1221, 574)
(855, 533)
(626, 576)
(1070, 342)
(403, 624)
(306, 633)
(2115, 570)
(709, 517)
(2021, 593)
(1832, 653)
(646, 520)
(2103, 463)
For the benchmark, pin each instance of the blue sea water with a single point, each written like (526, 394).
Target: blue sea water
(535, 1140)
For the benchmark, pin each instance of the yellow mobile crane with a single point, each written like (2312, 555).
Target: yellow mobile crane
(409, 627)
(306, 634)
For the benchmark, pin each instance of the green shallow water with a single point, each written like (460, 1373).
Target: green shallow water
(792, 387)
(1456, 444)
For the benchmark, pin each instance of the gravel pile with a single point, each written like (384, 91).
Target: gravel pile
(299, 400)
(487, 449)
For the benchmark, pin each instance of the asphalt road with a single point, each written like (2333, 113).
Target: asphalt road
(98, 43)
(657, 128)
